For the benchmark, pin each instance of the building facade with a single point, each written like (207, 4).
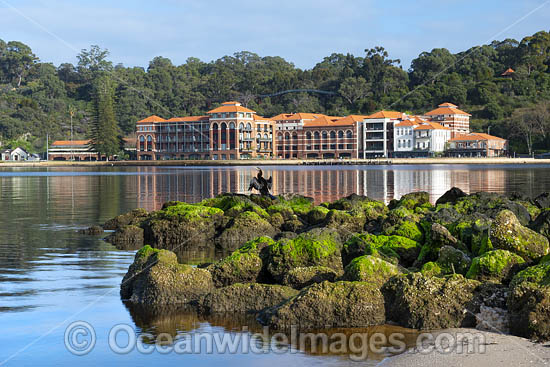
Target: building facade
(17, 154)
(376, 134)
(477, 145)
(448, 115)
(230, 131)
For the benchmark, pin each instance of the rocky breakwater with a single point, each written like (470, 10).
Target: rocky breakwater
(477, 260)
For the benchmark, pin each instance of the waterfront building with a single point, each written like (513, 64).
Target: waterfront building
(477, 145)
(430, 138)
(66, 150)
(17, 154)
(376, 134)
(448, 115)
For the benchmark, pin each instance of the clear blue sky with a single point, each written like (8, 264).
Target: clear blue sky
(301, 31)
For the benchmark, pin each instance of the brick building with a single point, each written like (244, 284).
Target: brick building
(477, 145)
(448, 115)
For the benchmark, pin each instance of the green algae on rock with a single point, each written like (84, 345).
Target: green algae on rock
(302, 277)
(401, 249)
(495, 265)
(370, 269)
(507, 233)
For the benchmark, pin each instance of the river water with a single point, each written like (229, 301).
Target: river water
(51, 276)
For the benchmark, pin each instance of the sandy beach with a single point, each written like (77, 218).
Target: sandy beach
(497, 350)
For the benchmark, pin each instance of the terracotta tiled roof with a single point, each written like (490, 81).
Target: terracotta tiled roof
(386, 115)
(350, 120)
(406, 123)
(475, 136)
(508, 71)
(282, 116)
(153, 118)
(231, 107)
(70, 142)
(261, 118)
(447, 109)
(431, 126)
(305, 116)
(188, 119)
(325, 121)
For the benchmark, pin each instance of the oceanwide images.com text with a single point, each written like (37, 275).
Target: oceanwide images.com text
(80, 339)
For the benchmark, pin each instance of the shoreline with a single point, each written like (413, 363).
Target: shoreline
(281, 162)
(500, 350)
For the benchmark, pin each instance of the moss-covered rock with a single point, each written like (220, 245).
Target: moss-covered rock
(507, 233)
(496, 265)
(402, 250)
(134, 217)
(302, 277)
(346, 222)
(92, 231)
(421, 302)
(491, 204)
(156, 277)
(247, 297)
(244, 227)
(128, 237)
(406, 229)
(314, 248)
(326, 305)
(244, 265)
(529, 303)
(370, 269)
(372, 209)
(542, 223)
(437, 236)
(453, 261)
(451, 196)
(317, 215)
(234, 204)
(543, 200)
(431, 269)
(414, 199)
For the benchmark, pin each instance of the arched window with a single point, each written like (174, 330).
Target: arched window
(280, 136)
(340, 134)
(287, 136)
(399, 144)
(265, 137)
(224, 135)
(325, 135)
(333, 135)
(308, 135)
(241, 126)
(149, 143)
(248, 126)
(294, 136)
(232, 136)
(258, 136)
(316, 135)
(141, 143)
(231, 125)
(215, 133)
(349, 134)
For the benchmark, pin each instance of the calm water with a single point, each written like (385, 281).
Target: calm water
(51, 276)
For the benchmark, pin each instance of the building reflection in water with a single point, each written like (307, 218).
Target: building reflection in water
(158, 185)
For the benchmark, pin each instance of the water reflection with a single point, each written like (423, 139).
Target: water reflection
(186, 323)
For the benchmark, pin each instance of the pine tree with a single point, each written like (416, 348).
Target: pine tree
(105, 134)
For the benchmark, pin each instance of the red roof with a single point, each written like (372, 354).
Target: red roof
(231, 107)
(153, 118)
(508, 72)
(385, 115)
(447, 109)
(405, 123)
(475, 136)
(324, 121)
(188, 119)
(70, 142)
(431, 126)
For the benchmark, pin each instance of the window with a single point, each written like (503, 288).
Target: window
(325, 135)
(308, 135)
(332, 135)
(349, 134)
(340, 134)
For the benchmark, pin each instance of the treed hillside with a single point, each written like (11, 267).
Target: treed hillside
(36, 97)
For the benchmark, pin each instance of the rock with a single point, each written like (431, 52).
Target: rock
(491, 204)
(183, 226)
(302, 277)
(542, 223)
(420, 302)
(414, 199)
(327, 305)
(244, 227)
(92, 231)
(474, 233)
(346, 222)
(317, 215)
(543, 200)
(493, 319)
(370, 269)
(314, 248)
(243, 265)
(249, 297)
(234, 204)
(390, 248)
(369, 208)
(406, 229)
(135, 217)
(451, 196)
(436, 237)
(128, 237)
(453, 261)
(529, 303)
(496, 265)
(508, 234)
(156, 277)
(431, 269)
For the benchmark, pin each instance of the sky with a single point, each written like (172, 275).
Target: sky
(301, 31)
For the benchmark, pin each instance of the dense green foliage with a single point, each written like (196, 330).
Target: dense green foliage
(35, 97)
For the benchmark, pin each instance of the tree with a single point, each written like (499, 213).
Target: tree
(531, 124)
(16, 60)
(354, 89)
(105, 133)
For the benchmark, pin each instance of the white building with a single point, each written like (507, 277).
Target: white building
(375, 134)
(404, 137)
(430, 138)
(17, 154)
